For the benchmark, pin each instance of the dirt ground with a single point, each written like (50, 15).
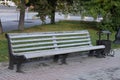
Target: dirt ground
(78, 68)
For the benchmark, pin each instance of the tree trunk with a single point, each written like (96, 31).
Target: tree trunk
(53, 4)
(1, 30)
(52, 17)
(22, 16)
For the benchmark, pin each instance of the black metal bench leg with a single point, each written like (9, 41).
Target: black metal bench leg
(56, 58)
(11, 63)
(100, 53)
(63, 59)
(20, 60)
(19, 67)
(91, 53)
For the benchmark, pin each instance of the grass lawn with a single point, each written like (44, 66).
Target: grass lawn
(59, 26)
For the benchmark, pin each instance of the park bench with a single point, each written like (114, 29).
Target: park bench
(24, 46)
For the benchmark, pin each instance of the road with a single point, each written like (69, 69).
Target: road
(10, 15)
(10, 20)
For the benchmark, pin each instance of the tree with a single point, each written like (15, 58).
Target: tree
(16, 2)
(1, 30)
(48, 8)
(53, 4)
(22, 15)
(21, 5)
(42, 7)
(110, 13)
(108, 9)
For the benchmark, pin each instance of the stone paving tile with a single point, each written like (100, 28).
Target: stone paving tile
(78, 68)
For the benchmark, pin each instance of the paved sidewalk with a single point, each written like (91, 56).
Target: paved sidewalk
(78, 68)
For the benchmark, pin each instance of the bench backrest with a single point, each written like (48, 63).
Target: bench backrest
(25, 42)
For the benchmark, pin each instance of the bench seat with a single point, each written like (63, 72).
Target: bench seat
(35, 54)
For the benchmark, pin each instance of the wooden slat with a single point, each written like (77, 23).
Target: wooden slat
(81, 31)
(72, 37)
(30, 40)
(73, 41)
(74, 44)
(45, 39)
(41, 35)
(30, 49)
(31, 44)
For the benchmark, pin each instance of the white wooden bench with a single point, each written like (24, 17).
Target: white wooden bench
(23, 46)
